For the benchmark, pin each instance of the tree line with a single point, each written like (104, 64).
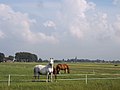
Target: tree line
(2, 56)
(19, 57)
(29, 57)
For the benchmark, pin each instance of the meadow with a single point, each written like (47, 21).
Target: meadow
(100, 76)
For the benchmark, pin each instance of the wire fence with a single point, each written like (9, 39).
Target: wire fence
(28, 78)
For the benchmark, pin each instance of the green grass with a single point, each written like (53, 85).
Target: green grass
(75, 68)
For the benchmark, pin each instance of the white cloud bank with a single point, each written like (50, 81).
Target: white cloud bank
(17, 25)
(81, 28)
(80, 17)
(85, 21)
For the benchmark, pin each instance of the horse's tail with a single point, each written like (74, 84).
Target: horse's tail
(35, 72)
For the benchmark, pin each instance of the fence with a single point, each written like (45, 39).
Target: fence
(84, 77)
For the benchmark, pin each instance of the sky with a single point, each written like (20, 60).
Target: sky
(61, 29)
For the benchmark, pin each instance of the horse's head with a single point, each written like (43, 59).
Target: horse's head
(51, 62)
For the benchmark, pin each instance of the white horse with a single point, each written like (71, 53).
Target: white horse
(44, 70)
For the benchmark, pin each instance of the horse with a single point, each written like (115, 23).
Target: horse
(45, 70)
(64, 67)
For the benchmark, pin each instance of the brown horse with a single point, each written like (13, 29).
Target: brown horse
(64, 67)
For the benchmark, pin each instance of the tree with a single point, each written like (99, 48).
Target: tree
(2, 56)
(25, 57)
(11, 58)
(40, 60)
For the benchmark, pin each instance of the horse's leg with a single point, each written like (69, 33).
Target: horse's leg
(64, 70)
(38, 76)
(47, 77)
(59, 71)
(51, 76)
(55, 76)
(34, 74)
(68, 70)
(34, 77)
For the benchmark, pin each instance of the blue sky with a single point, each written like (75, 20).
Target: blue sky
(61, 28)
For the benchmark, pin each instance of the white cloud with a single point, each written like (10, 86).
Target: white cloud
(116, 2)
(100, 27)
(74, 16)
(74, 30)
(78, 7)
(116, 27)
(50, 24)
(17, 25)
(81, 24)
(39, 37)
(1, 35)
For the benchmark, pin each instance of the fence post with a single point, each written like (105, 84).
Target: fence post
(9, 80)
(86, 79)
(93, 71)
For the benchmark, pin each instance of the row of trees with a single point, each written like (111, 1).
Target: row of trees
(2, 56)
(25, 57)
(95, 61)
(19, 57)
(29, 57)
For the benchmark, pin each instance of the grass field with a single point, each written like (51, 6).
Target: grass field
(106, 77)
